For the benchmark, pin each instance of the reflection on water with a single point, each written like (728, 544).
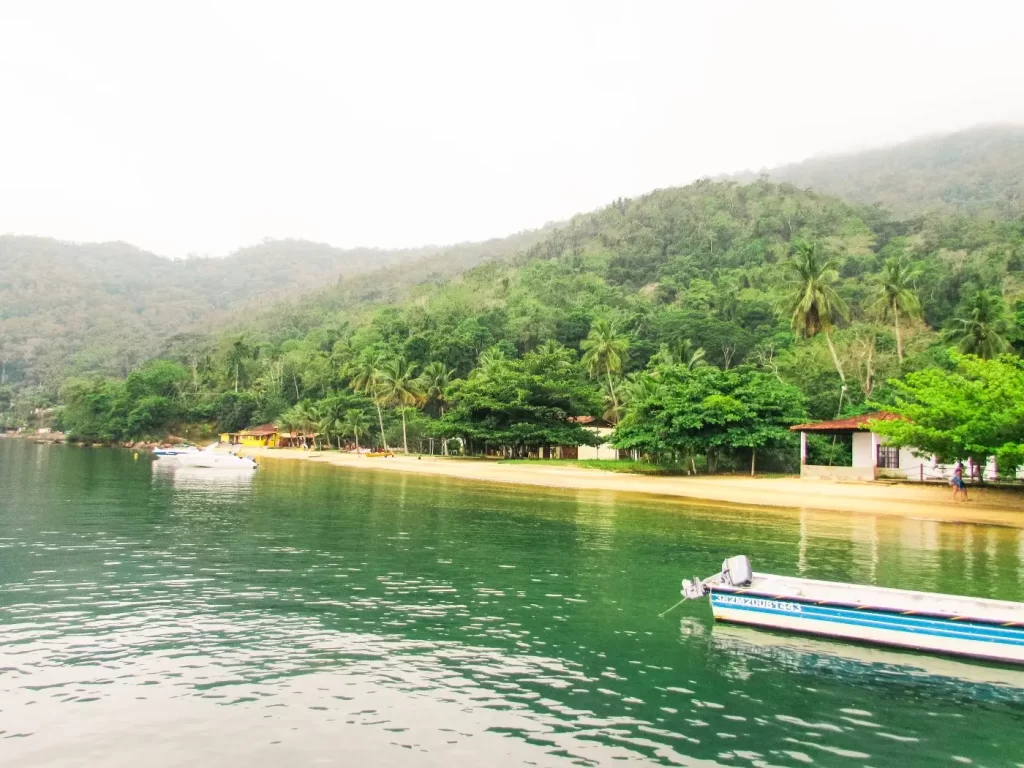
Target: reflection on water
(201, 479)
(311, 615)
(860, 664)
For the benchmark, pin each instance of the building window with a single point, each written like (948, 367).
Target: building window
(888, 458)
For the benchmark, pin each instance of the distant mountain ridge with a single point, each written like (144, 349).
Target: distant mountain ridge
(977, 172)
(68, 308)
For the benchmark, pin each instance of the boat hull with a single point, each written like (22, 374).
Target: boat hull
(995, 641)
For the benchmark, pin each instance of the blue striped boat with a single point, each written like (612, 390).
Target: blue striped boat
(949, 624)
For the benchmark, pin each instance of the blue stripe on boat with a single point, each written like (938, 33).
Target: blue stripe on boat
(866, 618)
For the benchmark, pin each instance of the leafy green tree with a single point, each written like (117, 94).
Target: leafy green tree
(974, 412)
(398, 386)
(981, 326)
(355, 424)
(604, 353)
(234, 411)
(684, 411)
(523, 404)
(896, 296)
(813, 303)
(90, 409)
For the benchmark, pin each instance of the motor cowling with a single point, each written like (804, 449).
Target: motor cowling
(736, 571)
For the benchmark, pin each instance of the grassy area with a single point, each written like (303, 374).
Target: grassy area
(608, 465)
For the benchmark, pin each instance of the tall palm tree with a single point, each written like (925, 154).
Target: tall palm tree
(365, 375)
(979, 329)
(896, 296)
(308, 419)
(813, 303)
(237, 353)
(355, 424)
(604, 352)
(399, 387)
(434, 382)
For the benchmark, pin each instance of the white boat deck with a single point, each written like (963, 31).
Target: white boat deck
(900, 600)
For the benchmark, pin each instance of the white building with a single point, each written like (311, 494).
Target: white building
(873, 459)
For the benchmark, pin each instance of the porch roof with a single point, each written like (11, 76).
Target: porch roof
(850, 425)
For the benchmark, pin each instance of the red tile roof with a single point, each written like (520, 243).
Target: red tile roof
(852, 424)
(262, 429)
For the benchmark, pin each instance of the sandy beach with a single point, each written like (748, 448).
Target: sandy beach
(931, 502)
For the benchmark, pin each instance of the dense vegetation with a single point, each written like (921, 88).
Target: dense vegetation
(70, 309)
(706, 319)
(979, 172)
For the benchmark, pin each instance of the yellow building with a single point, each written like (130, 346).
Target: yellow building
(268, 436)
(264, 436)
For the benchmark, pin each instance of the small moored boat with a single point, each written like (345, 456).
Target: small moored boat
(924, 621)
(210, 459)
(175, 450)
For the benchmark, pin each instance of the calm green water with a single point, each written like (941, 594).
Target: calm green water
(308, 615)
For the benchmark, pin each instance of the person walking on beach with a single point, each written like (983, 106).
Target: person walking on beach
(958, 483)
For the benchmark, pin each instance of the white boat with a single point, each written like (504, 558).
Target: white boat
(175, 450)
(924, 621)
(210, 459)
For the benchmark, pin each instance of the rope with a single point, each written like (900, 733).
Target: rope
(662, 614)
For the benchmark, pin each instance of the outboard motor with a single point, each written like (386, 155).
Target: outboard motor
(736, 571)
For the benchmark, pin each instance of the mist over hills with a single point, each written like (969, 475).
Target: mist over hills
(978, 172)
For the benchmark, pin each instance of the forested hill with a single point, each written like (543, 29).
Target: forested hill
(979, 172)
(711, 274)
(70, 308)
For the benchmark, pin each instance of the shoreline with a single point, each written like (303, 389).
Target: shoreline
(989, 507)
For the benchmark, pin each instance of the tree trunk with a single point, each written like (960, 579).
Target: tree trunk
(753, 460)
(444, 440)
(899, 336)
(295, 381)
(835, 358)
(615, 400)
(355, 434)
(236, 378)
(405, 440)
(339, 442)
(380, 418)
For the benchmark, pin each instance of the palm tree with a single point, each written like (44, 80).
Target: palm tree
(604, 352)
(814, 303)
(236, 355)
(434, 381)
(550, 347)
(399, 387)
(308, 419)
(981, 325)
(355, 424)
(488, 360)
(682, 352)
(896, 296)
(366, 378)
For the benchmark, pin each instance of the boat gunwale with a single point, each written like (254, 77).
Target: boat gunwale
(959, 619)
(1000, 660)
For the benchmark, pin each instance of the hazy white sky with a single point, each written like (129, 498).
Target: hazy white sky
(204, 126)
